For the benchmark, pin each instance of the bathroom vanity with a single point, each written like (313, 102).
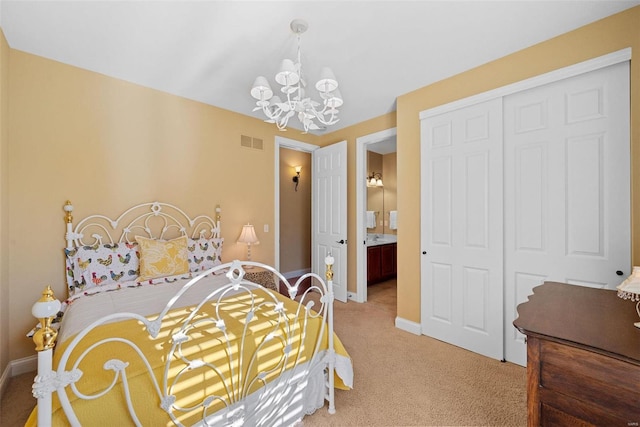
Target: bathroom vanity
(381, 258)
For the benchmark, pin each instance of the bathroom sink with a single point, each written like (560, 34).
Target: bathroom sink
(380, 240)
(383, 240)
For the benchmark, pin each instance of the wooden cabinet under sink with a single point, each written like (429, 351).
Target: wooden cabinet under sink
(381, 263)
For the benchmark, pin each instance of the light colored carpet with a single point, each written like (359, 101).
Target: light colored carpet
(406, 380)
(400, 379)
(17, 401)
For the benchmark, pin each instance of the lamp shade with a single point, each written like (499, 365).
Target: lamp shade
(261, 89)
(630, 288)
(327, 82)
(288, 75)
(248, 235)
(335, 99)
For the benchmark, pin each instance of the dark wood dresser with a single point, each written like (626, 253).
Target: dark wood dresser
(583, 357)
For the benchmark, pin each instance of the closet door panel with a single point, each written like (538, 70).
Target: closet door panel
(462, 228)
(585, 196)
(567, 187)
(530, 197)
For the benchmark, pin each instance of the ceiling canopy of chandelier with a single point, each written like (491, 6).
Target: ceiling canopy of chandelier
(291, 78)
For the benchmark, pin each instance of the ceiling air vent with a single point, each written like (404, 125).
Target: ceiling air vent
(249, 142)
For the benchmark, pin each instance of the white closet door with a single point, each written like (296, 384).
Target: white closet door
(567, 188)
(462, 228)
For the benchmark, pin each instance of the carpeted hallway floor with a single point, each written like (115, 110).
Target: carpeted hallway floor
(400, 379)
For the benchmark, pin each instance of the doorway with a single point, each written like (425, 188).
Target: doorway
(375, 151)
(284, 176)
(328, 175)
(295, 212)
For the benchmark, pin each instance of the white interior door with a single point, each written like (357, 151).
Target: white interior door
(567, 188)
(462, 228)
(329, 214)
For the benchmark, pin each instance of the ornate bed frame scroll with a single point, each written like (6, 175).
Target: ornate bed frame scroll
(243, 404)
(154, 220)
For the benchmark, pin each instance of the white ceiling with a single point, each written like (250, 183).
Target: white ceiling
(211, 51)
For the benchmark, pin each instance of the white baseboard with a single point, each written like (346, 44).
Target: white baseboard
(26, 364)
(354, 296)
(409, 326)
(4, 380)
(17, 367)
(296, 273)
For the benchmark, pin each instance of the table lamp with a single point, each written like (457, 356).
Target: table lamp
(630, 289)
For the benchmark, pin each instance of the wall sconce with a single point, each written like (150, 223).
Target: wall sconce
(374, 180)
(248, 236)
(296, 178)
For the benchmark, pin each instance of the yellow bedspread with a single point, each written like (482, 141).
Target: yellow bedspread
(201, 367)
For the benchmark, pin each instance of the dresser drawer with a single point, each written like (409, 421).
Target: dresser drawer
(588, 384)
(550, 416)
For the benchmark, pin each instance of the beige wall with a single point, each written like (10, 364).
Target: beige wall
(597, 39)
(4, 205)
(106, 145)
(295, 212)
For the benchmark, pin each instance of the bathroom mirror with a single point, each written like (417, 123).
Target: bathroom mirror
(375, 204)
(381, 186)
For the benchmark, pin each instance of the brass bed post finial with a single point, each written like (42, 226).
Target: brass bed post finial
(45, 309)
(218, 212)
(329, 261)
(68, 208)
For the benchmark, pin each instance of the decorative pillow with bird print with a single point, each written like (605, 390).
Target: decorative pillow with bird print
(204, 253)
(162, 258)
(99, 265)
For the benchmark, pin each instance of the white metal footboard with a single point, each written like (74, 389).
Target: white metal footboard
(249, 390)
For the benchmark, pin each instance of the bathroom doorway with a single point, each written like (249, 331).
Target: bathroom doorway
(376, 200)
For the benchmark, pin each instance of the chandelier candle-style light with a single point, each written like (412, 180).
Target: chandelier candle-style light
(291, 78)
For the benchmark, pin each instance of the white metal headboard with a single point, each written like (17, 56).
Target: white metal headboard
(154, 220)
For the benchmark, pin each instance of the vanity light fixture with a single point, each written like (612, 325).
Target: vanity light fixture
(296, 177)
(374, 180)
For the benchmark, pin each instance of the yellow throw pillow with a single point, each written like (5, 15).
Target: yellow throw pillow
(161, 258)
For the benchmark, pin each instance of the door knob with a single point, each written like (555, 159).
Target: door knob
(341, 241)
(619, 273)
(424, 252)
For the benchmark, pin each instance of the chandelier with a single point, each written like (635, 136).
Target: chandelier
(291, 78)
